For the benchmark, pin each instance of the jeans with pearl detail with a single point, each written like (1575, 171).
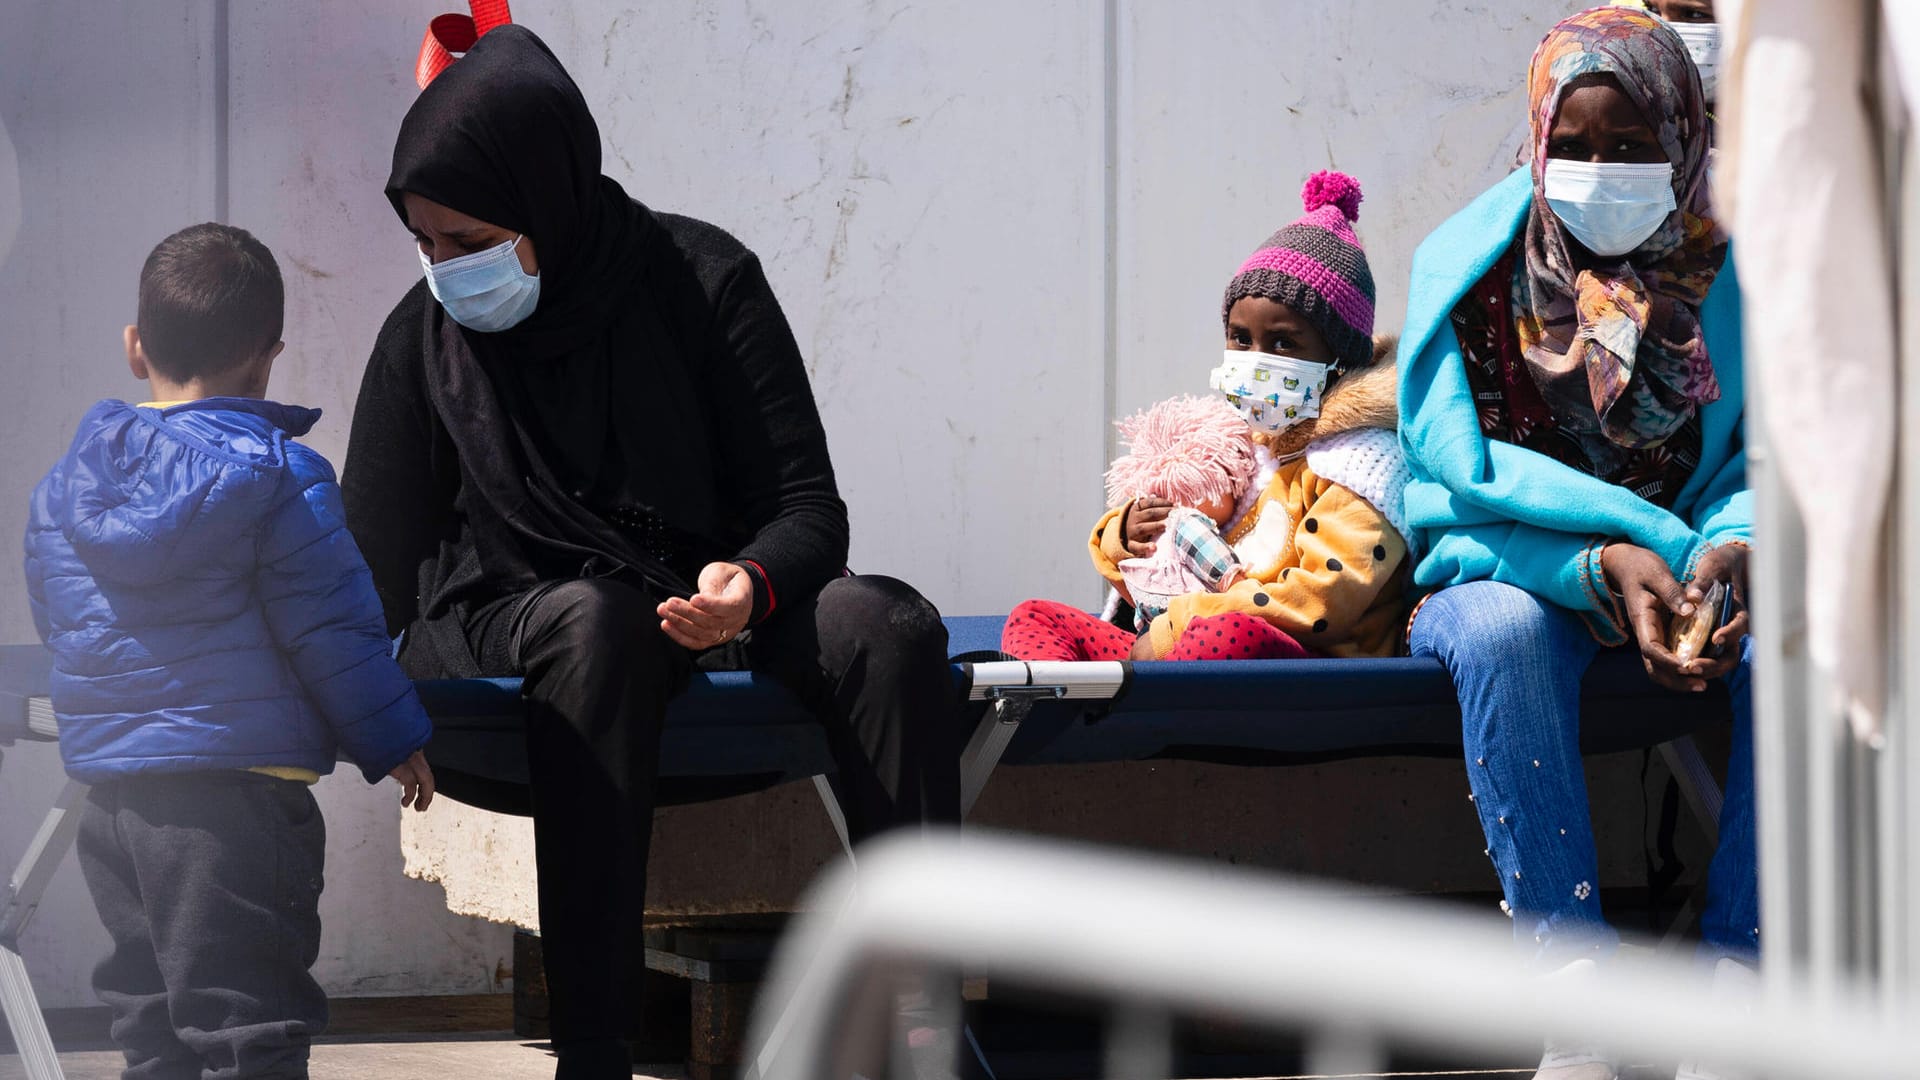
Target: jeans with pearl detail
(1517, 662)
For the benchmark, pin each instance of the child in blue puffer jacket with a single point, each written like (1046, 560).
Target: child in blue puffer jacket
(217, 642)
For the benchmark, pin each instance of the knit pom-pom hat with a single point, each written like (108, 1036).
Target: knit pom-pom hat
(1317, 267)
(1187, 450)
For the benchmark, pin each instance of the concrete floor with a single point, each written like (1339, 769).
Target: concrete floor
(494, 1055)
(502, 1056)
(411, 1038)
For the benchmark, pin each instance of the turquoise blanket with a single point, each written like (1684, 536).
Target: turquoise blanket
(1484, 509)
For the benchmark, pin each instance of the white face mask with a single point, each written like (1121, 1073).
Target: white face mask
(1273, 393)
(487, 290)
(1611, 207)
(1703, 44)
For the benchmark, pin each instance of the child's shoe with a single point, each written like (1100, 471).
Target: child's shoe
(1564, 1061)
(1574, 1063)
(1735, 986)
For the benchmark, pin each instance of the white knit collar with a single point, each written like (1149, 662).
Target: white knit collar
(1265, 467)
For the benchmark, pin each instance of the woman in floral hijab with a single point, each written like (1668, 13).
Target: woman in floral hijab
(1570, 404)
(1614, 344)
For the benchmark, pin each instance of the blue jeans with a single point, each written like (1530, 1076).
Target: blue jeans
(1517, 663)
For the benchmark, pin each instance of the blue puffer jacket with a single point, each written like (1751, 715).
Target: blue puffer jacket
(191, 570)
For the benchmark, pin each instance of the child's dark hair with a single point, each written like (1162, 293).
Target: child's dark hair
(211, 299)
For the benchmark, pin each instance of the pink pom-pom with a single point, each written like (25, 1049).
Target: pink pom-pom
(1328, 188)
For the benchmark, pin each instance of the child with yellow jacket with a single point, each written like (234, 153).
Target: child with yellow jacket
(1320, 531)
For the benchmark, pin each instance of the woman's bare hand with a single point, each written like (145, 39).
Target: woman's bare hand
(714, 615)
(1727, 563)
(1653, 596)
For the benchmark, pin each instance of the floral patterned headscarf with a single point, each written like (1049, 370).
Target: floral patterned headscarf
(1616, 347)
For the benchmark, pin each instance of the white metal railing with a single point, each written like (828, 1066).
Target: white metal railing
(1839, 822)
(1156, 937)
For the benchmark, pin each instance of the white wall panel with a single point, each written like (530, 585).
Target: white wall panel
(917, 180)
(106, 108)
(1226, 108)
(317, 94)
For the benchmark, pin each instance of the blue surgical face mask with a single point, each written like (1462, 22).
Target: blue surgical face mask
(487, 290)
(1611, 207)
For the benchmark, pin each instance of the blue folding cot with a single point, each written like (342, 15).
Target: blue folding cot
(731, 725)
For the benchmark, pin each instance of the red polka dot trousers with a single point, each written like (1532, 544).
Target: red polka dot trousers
(1048, 630)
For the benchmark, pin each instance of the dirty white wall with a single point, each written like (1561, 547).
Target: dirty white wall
(992, 225)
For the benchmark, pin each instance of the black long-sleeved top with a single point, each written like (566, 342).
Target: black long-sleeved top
(757, 489)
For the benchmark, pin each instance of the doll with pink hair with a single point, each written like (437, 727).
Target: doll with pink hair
(1196, 453)
(1199, 455)
(1305, 547)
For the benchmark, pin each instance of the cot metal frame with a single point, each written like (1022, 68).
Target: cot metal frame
(1013, 687)
(24, 888)
(1349, 973)
(1010, 689)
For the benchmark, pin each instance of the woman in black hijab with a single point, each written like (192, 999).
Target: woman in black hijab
(586, 453)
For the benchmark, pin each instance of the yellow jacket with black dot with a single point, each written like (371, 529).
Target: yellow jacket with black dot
(1321, 532)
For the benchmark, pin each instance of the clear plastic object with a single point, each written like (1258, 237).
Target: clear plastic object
(1691, 636)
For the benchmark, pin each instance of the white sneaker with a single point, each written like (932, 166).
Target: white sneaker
(1735, 986)
(1564, 1061)
(1574, 1063)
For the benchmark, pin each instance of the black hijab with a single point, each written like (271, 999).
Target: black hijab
(600, 387)
(504, 135)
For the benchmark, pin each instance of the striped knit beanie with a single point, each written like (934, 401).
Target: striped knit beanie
(1316, 267)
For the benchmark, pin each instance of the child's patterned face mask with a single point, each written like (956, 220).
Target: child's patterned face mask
(1272, 392)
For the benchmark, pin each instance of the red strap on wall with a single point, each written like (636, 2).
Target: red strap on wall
(452, 34)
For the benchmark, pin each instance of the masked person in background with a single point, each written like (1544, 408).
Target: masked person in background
(1318, 531)
(586, 453)
(1570, 401)
(1694, 21)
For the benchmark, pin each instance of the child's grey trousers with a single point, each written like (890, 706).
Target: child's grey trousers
(209, 884)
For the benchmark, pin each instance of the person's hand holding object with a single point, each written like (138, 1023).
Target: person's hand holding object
(1724, 563)
(1652, 597)
(1145, 520)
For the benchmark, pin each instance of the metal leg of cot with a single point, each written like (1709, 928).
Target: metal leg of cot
(823, 786)
(1010, 706)
(1682, 756)
(17, 905)
(1704, 797)
(989, 744)
(983, 752)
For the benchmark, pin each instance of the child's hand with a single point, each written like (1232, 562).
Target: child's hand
(416, 781)
(1142, 649)
(1146, 520)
